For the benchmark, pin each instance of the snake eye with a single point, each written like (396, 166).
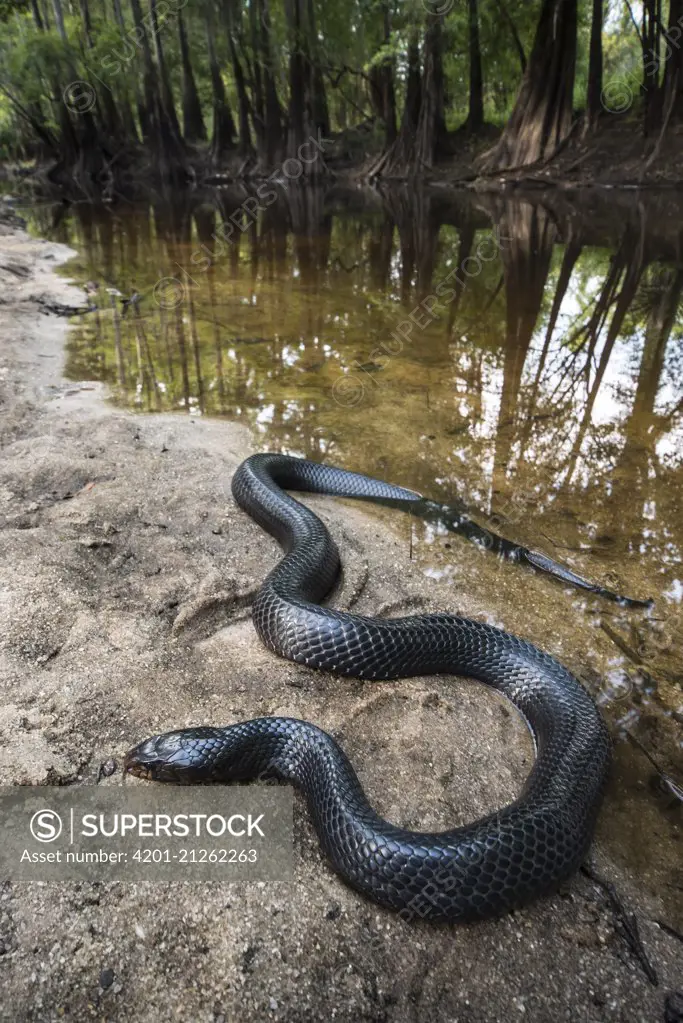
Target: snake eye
(174, 756)
(150, 759)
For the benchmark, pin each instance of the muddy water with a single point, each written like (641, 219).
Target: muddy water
(520, 357)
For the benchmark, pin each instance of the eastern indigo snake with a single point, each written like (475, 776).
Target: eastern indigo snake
(482, 869)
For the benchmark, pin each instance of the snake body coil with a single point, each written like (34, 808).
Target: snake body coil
(482, 869)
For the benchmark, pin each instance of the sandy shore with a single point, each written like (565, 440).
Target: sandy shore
(127, 575)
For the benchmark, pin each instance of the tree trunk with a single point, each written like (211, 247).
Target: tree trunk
(114, 127)
(383, 94)
(299, 122)
(118, 16)
(542, 116)
(400, 154)
(274, 114)
(649, 38)
(431, 125)
(87, 22)
(301, 104)
(83, 151)
(193, 122)
(266, 111)
(475, 117)
(321, 115)
(243, 105)
(170, 156)
(127, 117)
(594, 91)
(258, 107)
(59, 19)
(146, 106)
(68, 140)
(673, 52)
(167, 112)
(35, 11)
(223, 135)
(34, 113)
(514, 33)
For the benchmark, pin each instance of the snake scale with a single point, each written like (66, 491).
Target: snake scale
(482, 869)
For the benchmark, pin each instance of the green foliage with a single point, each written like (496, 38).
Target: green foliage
(349, 41)
(8, 8)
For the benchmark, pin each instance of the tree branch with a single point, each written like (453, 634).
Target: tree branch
(635, 24)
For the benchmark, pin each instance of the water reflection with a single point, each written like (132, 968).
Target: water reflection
(548, 374)
(520, 357)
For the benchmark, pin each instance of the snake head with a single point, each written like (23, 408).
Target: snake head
(175, 756)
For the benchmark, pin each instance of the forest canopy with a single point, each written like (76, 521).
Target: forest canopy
(394, 86)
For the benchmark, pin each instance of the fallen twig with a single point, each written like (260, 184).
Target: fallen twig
(669, 929)
(621, 643)
(627, 922)
(666, 780)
